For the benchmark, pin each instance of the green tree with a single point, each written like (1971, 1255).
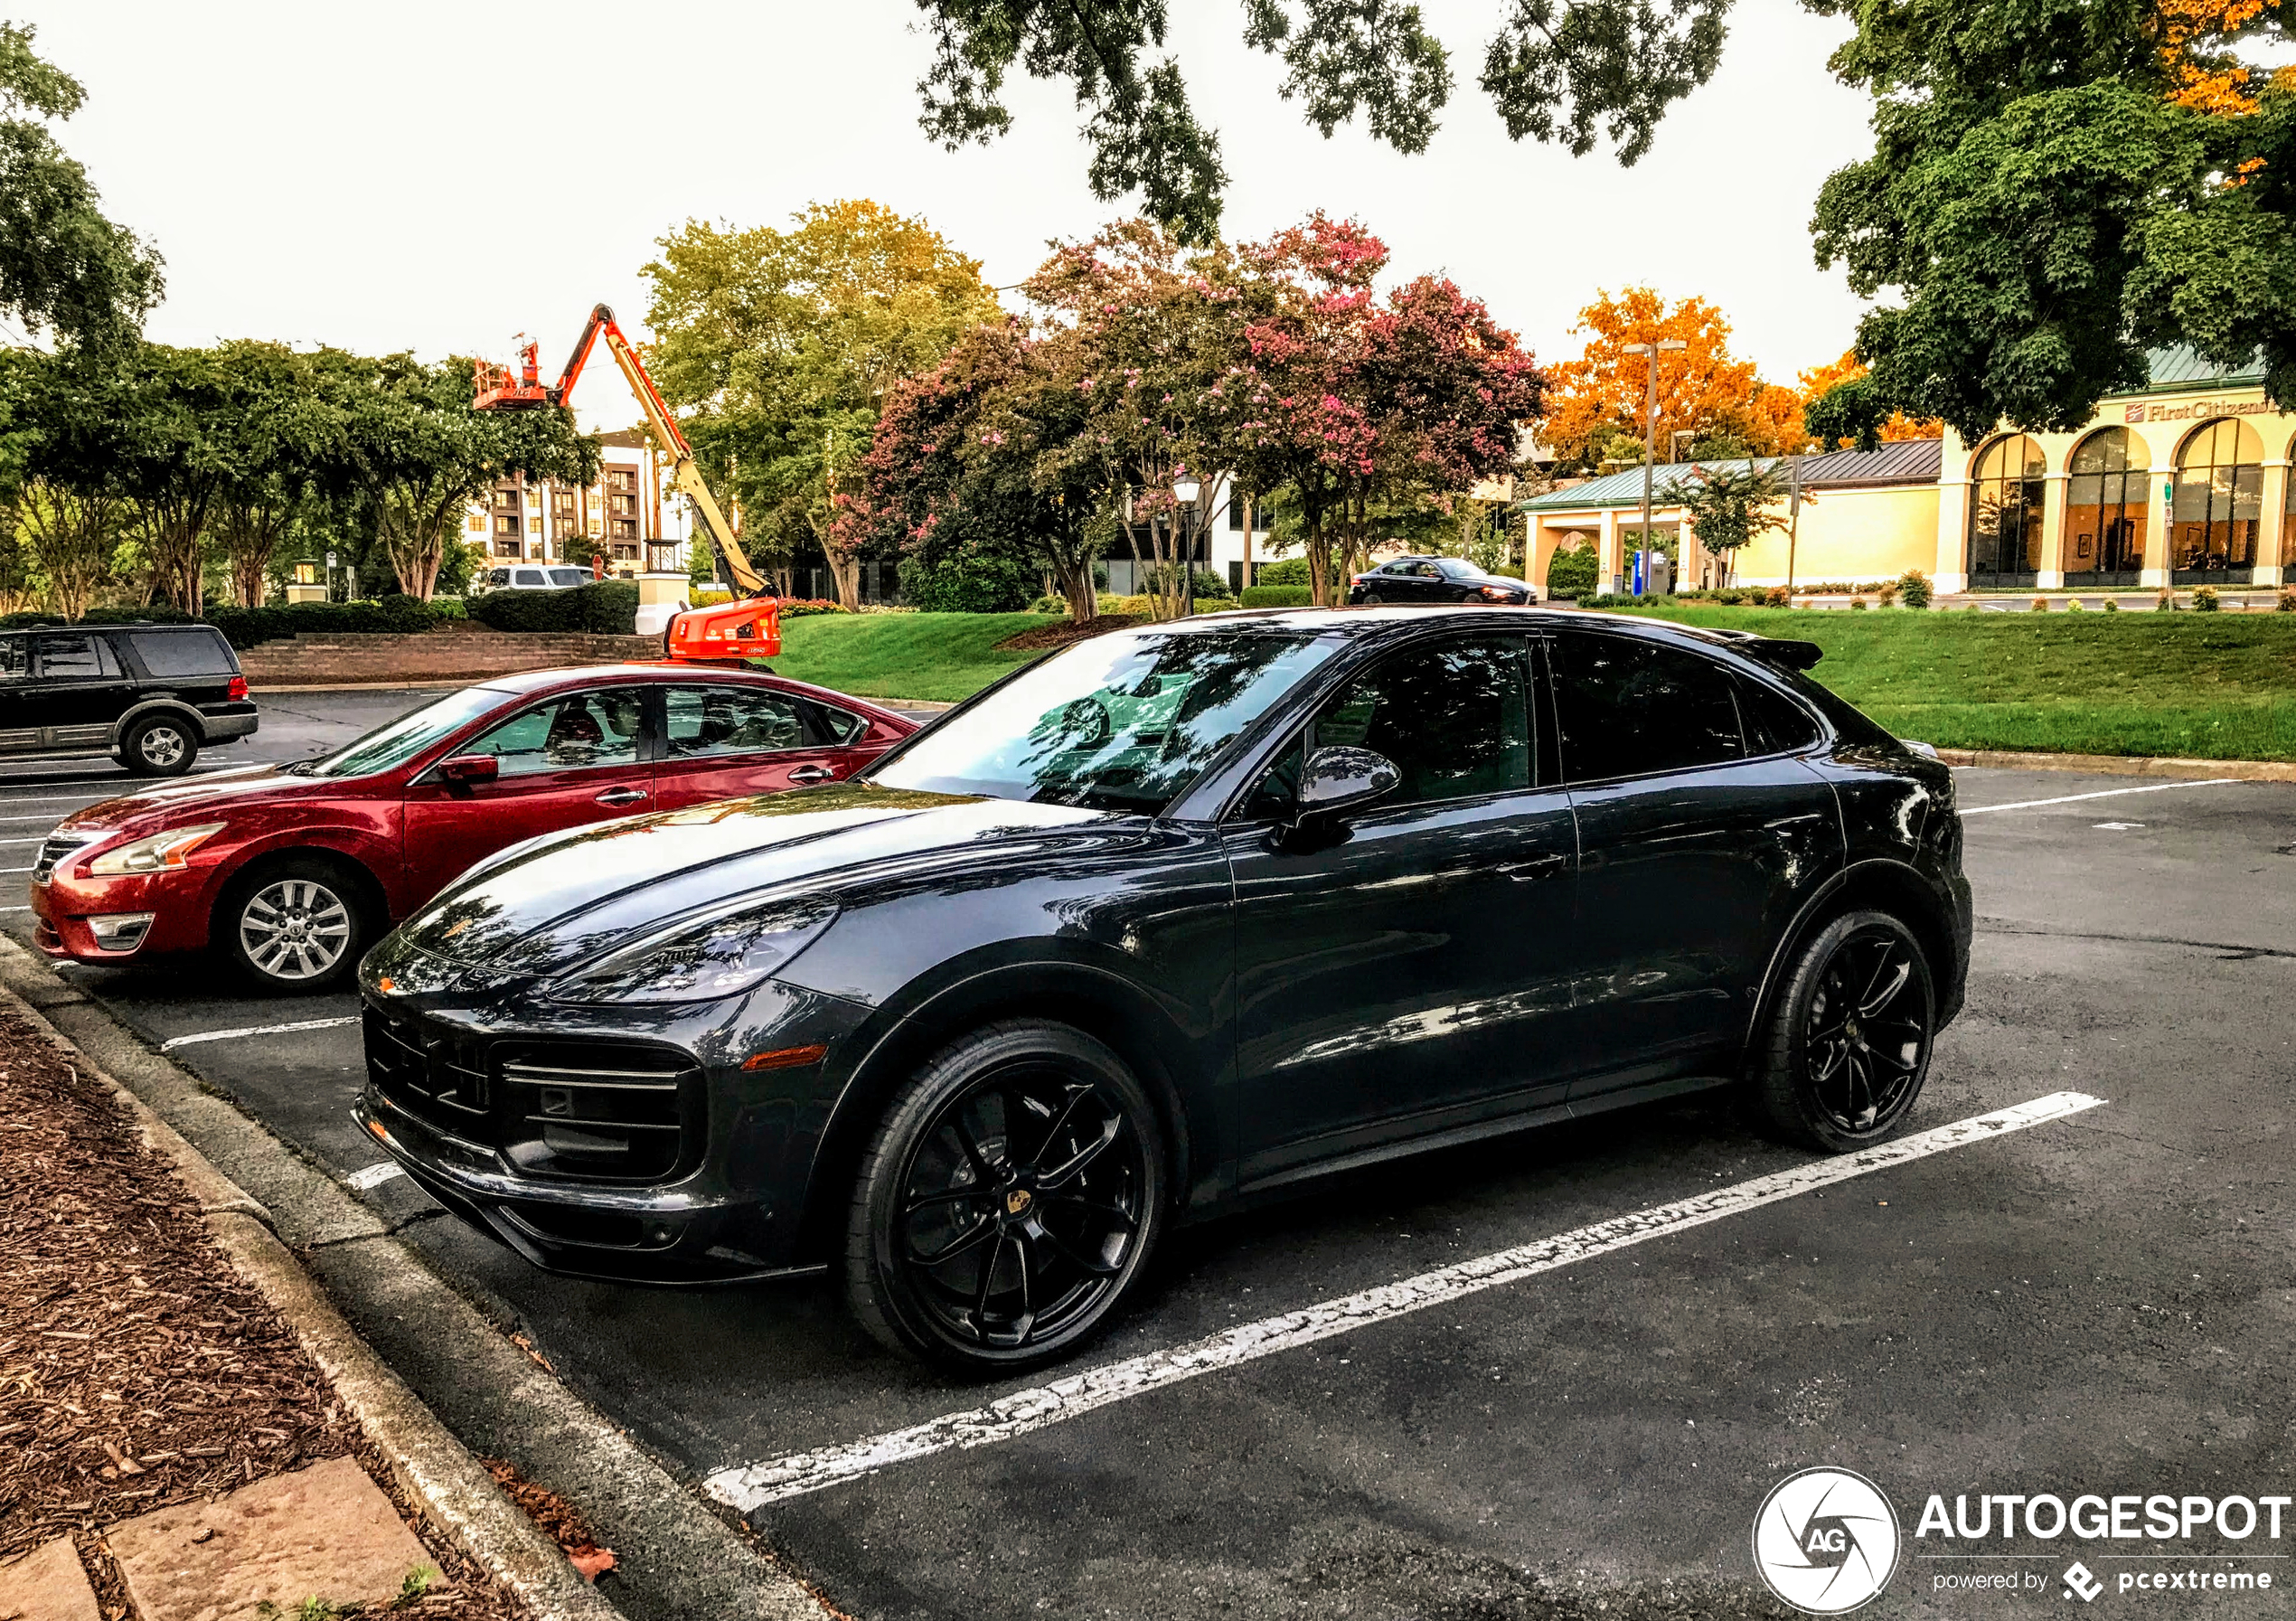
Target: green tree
(1849, 409)
(64, 267)
(2053, 190)
(1728, 506)
(784, 345)
(418, 453)
(1557, 71)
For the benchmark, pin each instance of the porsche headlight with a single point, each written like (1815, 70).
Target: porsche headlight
(158, 852)
(722, 954)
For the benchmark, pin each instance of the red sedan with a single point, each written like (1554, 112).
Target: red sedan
(293, 870)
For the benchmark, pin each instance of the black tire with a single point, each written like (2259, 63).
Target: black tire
(160, 745)
(295, 926)
(1849, 1038)
(1373, 599)
(1031, 1266)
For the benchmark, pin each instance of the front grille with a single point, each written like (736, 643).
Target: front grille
(429, 1077)
(55, 849)
(594, 1111)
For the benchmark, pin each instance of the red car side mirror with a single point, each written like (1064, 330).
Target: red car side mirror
(467, 770)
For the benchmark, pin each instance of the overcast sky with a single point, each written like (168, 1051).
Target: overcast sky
(439, 176)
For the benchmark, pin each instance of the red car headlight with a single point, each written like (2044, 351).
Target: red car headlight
(154, 852)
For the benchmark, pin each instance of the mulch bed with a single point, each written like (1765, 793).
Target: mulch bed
(1067, 632)
(137, 1368)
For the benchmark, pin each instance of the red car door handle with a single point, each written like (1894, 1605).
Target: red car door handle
(803, 774)
(621, 796)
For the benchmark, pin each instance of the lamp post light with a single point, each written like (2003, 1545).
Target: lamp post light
(1649, 436)
(1185, 494)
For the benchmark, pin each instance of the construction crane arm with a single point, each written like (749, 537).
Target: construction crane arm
(683, 474)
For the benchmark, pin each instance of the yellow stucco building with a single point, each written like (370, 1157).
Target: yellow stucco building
(2183, 484)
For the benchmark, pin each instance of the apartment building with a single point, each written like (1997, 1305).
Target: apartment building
(631, 517)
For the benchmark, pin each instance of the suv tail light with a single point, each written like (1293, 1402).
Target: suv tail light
(237, 690)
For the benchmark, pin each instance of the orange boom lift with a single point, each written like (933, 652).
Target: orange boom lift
(748, 628)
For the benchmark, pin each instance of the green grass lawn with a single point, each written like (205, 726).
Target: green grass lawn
(939, 656)
(2219, 686)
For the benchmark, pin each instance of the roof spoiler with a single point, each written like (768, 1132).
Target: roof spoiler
(1774, 650)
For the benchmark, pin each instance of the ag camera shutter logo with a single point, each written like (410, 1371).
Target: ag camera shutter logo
(1826, 1540)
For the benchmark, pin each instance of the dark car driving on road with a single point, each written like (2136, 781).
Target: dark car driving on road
(1174, 918)
(150, 695)
(1425, 580)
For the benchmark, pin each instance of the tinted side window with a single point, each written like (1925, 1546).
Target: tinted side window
(1626, 707)
(182, 653)
(76, 658)
(1452, 717)
(838, 725)
(705, 721)
(588, 728)
(1774, 723)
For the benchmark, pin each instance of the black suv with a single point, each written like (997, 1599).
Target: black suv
(150, 695)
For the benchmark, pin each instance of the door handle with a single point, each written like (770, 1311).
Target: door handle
(1536, 868)
(810, 774)
(621, 796)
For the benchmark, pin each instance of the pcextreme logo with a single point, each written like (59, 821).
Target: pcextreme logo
(1826, 1540)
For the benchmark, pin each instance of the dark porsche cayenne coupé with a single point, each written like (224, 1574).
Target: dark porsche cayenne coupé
(1176, 916)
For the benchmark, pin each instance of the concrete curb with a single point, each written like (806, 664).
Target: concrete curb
(2123, 764)
(328, 1261)
(450, 1487)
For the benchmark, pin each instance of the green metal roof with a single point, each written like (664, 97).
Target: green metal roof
(2180, 368)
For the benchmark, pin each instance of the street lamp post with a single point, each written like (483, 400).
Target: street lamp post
(1649, 438)
(1185, 494)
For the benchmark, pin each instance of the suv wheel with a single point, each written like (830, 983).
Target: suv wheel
(159, 746)
(298, 926)
(1008, 1201)
(1849, 1041)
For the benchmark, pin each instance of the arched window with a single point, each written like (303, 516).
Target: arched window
(2005, 513)
(2104, 509)
(2214, 510)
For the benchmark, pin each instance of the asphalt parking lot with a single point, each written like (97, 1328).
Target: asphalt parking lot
(2097, 1302)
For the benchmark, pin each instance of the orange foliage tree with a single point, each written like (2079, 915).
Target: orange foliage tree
(1817, 380)
(1595, 403)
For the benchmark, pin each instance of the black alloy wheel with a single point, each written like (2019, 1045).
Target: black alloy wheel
(1373, 599)
(1849, 1039)
(159, 746)
(1008, 1201)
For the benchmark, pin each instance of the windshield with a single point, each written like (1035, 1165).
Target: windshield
(400, 740)
(565, 576)
(1121, 722)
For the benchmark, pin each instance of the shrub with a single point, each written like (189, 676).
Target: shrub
(1777, 596)
(2074, 607)
(449, 608)
(1277, 596)
(2287, 603)
(1858, 602)
(246, 627)
(2113, 605)
(797, 608)
(2040, 605)
(1571, 573)
(2166, 602)
(2203, 601)
(1508, 571)
(1283, 570)
(606, 607)
(969, 582)
(1887, 595)
(1914, 588)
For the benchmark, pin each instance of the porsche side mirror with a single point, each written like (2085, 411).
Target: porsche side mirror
(1339, 779)
(468, 770)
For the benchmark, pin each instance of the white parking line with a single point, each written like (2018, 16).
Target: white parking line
(37, 838)
(374, 1176)
(255, 1030)
(749, 1487)
(2153, 787)
(14, 797)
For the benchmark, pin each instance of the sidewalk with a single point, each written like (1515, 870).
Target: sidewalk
(169, 1448)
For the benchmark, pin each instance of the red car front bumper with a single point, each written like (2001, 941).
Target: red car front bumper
(179, 902)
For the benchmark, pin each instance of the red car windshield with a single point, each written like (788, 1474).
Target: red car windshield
(396, 742)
